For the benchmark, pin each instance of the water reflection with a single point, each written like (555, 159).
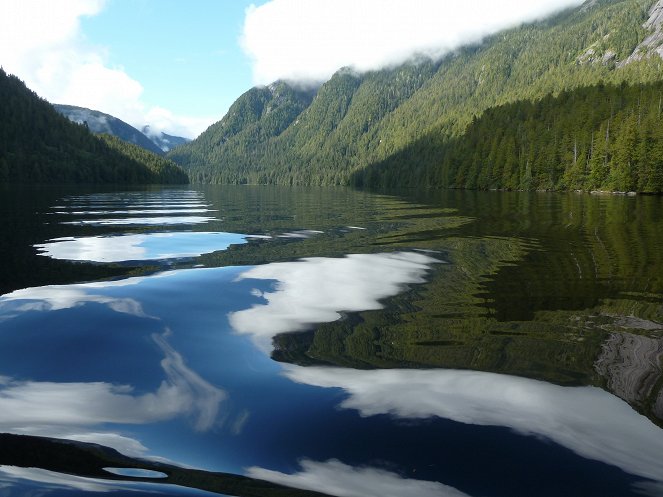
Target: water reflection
(142, 247)
(143, 221)
(335, 478)
(65, 409)
(316, 290)
(57, 297)
(92, 362)
(156, 208)
(34, 482)
(132, 210)
(46, 482)
(587, 420)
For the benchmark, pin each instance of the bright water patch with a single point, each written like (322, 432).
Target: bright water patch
(136, 472)
(141, 247)
(143, 221)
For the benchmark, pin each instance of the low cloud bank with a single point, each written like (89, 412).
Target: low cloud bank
(309, 41)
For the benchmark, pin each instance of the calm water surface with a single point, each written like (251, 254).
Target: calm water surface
(273, 341)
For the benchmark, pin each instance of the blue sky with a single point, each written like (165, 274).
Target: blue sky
(178, 65)
(185, 54)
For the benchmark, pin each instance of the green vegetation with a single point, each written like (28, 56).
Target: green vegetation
(38, 145)
(256, 119)
(397, 126)
(162, 169)
(594, 138)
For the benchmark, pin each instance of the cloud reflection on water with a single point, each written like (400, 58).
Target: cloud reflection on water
(139, 247)
(587, 420)
(335, 478)
(49, 481)
(58, 297)
(316, 290)
(65, 409)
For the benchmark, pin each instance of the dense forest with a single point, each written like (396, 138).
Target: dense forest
(600, 137)
(38, 145)
(381, 126)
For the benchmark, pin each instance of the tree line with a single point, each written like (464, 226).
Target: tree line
(601, 137)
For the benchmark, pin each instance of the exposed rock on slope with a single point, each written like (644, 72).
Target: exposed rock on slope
(653, 43)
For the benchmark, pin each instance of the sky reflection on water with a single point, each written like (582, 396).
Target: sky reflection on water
(340, 479)
(587, 420)
(177, 365)
(141, 247)
(316, 290)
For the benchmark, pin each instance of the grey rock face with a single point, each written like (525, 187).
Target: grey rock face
(653, 43)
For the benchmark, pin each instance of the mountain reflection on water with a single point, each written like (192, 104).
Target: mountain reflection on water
(331, 342)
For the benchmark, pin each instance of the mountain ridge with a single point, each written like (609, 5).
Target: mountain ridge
(358, 120)
(100, 122)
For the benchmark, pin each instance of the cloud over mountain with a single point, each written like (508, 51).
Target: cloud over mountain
(309, 41)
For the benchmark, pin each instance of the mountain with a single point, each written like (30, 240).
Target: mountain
(400, 119)
(39, 145)
(252, 124)
(98, 122)
(164, 141)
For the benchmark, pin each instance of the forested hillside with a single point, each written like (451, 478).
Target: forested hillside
(162, 170)
(403, 119)
(38, 145)
(593, 138)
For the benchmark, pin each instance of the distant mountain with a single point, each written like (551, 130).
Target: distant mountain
(164, 141)
(39, 145)
(399, 119)
(98, 122)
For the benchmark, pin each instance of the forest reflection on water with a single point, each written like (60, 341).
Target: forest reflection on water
(343, 342)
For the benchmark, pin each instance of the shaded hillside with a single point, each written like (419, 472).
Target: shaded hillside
(38, 145)
(594, 138)
(163, 170)
(355, 121)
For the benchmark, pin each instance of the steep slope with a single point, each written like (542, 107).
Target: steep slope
(98, 122)
(395, 116)
(255, 120)
(38, 145)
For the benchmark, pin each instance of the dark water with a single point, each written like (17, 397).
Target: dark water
(331, 341)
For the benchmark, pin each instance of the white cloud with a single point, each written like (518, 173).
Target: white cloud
(42, 43)
(310, 40)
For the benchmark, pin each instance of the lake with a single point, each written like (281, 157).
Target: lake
(283, 341)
